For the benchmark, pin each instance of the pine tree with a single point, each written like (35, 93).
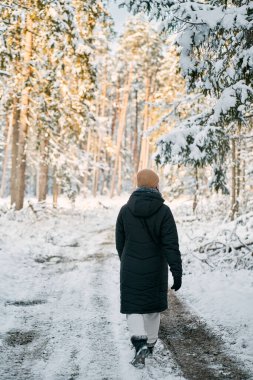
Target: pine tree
(215, 41)
(46, 52)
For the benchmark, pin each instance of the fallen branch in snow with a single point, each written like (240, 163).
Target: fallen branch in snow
(203, 260)
(4, 73)
(217, 246)
(229, 246)
(106, 207)
(30, 205)
(40, 209)
(244, 245)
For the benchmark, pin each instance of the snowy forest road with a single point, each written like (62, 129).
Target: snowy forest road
(60, 302)
(60, 315)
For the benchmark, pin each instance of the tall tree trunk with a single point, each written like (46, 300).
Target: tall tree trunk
(14, 148)
(43, 169)
(196, 194)
(144, 140)
(23, 126)
(135, 147)
(116, 109)
(6, 152)
(238, 170)
(234, 205)
(55, 191)
(102, 181)
(122, 123)
(120, 175)
(238, 165)
(244, 168)
(95, 144)
(96, 169)
(85, 179)
(101, 114)
(148, 163)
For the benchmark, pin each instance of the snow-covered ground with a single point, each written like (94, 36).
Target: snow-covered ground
(218, 284)
(59, 290)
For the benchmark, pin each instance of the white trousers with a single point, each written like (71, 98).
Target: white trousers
(144, 325)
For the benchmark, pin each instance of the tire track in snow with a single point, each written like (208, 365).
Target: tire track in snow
(197, 350)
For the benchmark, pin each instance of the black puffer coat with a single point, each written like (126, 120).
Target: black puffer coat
(146, 241)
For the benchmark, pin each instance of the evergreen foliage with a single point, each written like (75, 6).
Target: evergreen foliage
(61, 79)
(216, 50)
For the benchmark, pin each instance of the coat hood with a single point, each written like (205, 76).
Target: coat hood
(145, 203)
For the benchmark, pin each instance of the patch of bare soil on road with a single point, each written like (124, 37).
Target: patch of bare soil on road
(200, 353)
(19, 338)
(25, 303)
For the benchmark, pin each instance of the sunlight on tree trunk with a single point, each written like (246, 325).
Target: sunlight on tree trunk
(135, 142)
(43, 169)
(86, 174)
(14, 148)
(6, 152)
(119, 187)
(122, 123)
(23, 124)
(144, 140)
(96, 170)
(101, 114)
(116, 109)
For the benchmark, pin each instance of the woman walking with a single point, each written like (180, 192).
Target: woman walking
(147, 242)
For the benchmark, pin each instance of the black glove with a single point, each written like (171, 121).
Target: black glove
(177, 283)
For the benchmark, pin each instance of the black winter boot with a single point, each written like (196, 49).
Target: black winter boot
(151, 348)
(141, 351)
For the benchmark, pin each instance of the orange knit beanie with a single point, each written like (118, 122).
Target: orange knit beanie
(147, 178)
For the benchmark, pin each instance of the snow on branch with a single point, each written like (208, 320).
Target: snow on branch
(216, 59)
(215, 42)
(230, 97)
(190, 144)
(2, 72)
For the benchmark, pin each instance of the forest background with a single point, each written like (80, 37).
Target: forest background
(83, 108)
